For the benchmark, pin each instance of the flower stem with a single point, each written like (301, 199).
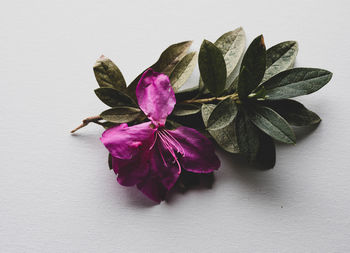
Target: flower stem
(94, 119)
(212, 99)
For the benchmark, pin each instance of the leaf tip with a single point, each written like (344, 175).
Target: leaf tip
(262, 41)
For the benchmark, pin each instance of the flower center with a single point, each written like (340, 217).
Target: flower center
(171, 145)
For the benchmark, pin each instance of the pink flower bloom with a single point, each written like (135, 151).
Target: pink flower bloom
(150, 156)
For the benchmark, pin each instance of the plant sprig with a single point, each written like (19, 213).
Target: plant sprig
(243, 100)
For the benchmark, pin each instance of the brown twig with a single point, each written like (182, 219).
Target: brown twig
(86, 121)
(207, 100)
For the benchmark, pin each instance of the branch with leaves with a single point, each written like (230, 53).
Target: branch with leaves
(243, 99)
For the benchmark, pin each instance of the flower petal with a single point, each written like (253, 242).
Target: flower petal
(162, 176)
(163, 166)
(123, 142)
(132, 171)
(153, 189)
(199, 153)
(155, 96)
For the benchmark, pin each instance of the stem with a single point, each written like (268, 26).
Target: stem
(95, 119)
(212, 99)
(86, 121)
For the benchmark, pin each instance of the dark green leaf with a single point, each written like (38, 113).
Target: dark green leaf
(271, 123)
(171, 57)
(279, 58)
(110, 165)
(247, 136)
(225, 137)
(107, 125)
(186, 109)
(121, 114)
(113, 97)
(294, 112)
(223, 114)
(252, 67)
(232, 45)
(171, 125)
(166, 62)
(296, 82)
(186, 94)
(108, 74)
(183, 71)
(212, 67)
(266, 157)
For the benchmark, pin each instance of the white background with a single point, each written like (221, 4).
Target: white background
(56, 192)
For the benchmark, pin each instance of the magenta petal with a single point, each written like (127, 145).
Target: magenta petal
(199, 154)
(132, 171)
(155, 96)
(153, 189)
(163, 166)
(124, 142)
(162, 176)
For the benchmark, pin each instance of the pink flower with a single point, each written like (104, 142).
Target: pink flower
(150, 156)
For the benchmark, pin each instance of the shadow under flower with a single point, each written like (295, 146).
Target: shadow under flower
(189, 181)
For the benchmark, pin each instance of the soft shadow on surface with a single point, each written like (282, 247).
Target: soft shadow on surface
(190, 182)
(87, 137)
(265, 184)
(136, 198)
(235, 170)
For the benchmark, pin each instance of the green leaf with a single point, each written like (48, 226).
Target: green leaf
(223, 114)
(113, 97)
(293, 112)
(232, 45)
(186, 109)
(212, 67)
(121, 114)
(110, 164)
(186, 94)
(279, 58)
(183, 71)
(171, 125)
(266, 157)
(171, 57)
(247, 136)
(225, 137)
(271, 123)
(252, 67)
(108, 74)
(296, 82)
(107, 125)
(166, 62)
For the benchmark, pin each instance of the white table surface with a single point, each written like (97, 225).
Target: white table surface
(56, 192)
